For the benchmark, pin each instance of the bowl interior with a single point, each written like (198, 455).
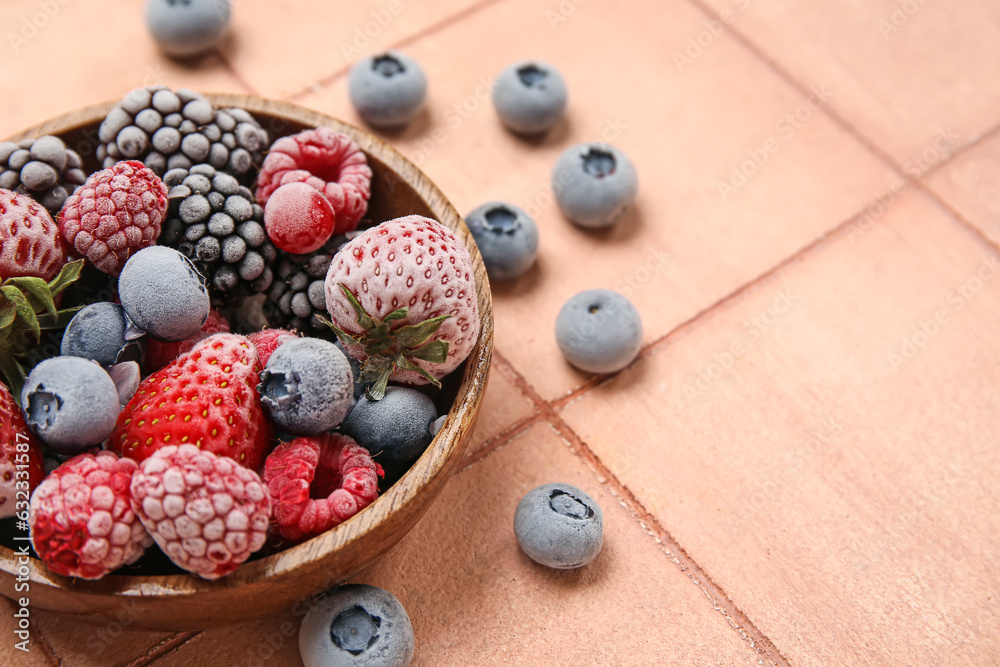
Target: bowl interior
(152, 593)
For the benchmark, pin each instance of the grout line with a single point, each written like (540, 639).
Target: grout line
(501, 439)
(964, 148)
(954, 212)
(424, 32)
(159, 650)
(721, 602)
(228, 66)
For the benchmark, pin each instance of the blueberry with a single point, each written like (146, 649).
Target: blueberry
(388, 89)
(163, 293)
(359, 387)
(594, 184)
(507, 238)
(396, 429)
(97, 332)
(530, 97)
(559, 526)
(356, 625)
(307, 386)
(71, 403)
(187, 27)
(599, 331)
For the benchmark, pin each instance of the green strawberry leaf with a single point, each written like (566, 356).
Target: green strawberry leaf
(8, 313)
(435, 352)
(398, 314)
(24, 309)
(14, 374)
(364, 319)
(37, 289)
(59, 320)
(68, 275)
(403, 362)
(415, 335)
(341, 334)
(376, 370)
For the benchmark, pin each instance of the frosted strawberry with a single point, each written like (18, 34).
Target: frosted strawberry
(402, 298)
(160, 353)
(30, 244)
(21, 466)
(268, 340)
(206, 397)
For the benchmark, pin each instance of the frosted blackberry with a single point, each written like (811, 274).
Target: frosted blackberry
(43, 168)
(215, 223)
(297, 298)
(169, 129)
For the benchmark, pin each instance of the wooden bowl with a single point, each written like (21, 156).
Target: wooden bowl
(279, 581)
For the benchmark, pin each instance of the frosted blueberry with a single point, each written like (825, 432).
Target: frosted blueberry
(594, 184)
(599, 331)
(530, 97)
(96, 332)
(388, 89)
(185, 28)
(507, 239)
(559, 526)
(163, 293)
(395, 429)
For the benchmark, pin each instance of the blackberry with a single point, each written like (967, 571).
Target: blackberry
(178, 129)
(297, 294)
(42, 168)
(214, 221)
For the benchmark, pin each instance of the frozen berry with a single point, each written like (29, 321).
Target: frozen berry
(599, 331)
(114, 214)
(207, 513)
(327, 160)
(395, 429)
(387, 89)
(187, 27)
(307, 386)
(559, 526)
(30, 243)
(42, 168)
(163, 294)
(318, 483)
(529, 97)
(297, 297)
(70, 403)
(268, 340)
(298, 218)
(594, 184)
(160, 353)
(96, 332)
(126, 376)
(507, 239)
(82, 524)
(356, 626)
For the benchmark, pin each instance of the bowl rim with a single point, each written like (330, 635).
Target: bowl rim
(442, 456)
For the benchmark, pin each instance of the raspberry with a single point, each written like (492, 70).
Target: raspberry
(317, 483)
(268, 340)
(81, 522)
(206, 512)
(160, 353)
(116, 213)
(30, 244)
(327, 160)
(298, 218)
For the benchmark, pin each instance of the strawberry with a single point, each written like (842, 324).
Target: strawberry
(160, 353)
(21, 466)
(206, 397)
(402, 298)
(268, 340)
(30, 243)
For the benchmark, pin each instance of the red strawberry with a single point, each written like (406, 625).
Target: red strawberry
(206, 397)
(160, 353)
(402, 297)
(20, 456)
(268, 340)
(30, 244)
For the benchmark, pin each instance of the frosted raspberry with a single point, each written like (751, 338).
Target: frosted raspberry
(30, 244)
(268, 340)
(160, 353)
(206, 512)
(327, 160)
(81, 521)
(298, 218)
(116, 213)
(317, 483)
